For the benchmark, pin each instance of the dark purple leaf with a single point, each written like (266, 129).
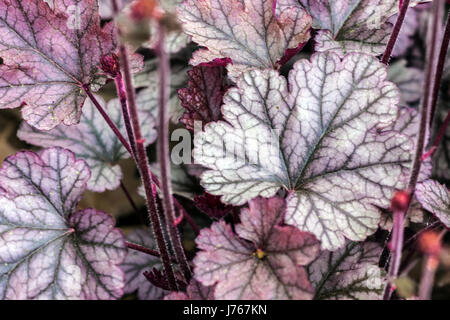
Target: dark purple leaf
(212, 206)
(203, 97)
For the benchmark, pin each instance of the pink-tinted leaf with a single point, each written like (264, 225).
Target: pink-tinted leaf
(136, 263)
(352, 25)
(246, 31)
(263, 260)
(203, 97)
(330, 140)
(212, 206)
(194, 291)
(351, 272)
(48, 55)
(94, 141)
(435, 197)
(48, 249)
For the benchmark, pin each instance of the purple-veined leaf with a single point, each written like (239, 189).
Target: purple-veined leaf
(351, 272)
(137, 262)
(263, 260)
(408, 80)
(94, 141)
(249, 32)
(435, 197)
(203, 97)
(48, 249)
(194, 291)
(48, 55)
(328, 139)
(352, 25)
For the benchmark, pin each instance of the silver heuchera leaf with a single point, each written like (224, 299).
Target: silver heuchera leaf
(328, 140)
(136, 263)
(352, 25)
(261, 261)
(408, 80)
(435, 198)
(48, 55)
(249, 32)
(351, 272)
(48, 249)
(94, 141)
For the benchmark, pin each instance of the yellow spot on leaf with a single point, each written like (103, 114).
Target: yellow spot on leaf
(259, 253)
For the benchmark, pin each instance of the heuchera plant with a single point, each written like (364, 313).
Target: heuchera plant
(282, 149)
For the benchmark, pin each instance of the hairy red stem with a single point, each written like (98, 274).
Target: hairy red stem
(163, 154)
(108, 120)
(128, 195)
(143, 165)
(140, 248)
(395, 32)
(120, 87)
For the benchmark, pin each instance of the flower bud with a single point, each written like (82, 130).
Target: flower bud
(400, 201)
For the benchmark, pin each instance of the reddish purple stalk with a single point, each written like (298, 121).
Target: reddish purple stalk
(128, 195)
(397, 236)
(108, 120)
(395, 32)
(138, 247)
(120, 87)
(396, 247)
(163, 154)
(143, 165)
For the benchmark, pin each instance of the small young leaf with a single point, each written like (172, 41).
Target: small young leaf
(249, 32)
(194, 291)
(351, 272)
(136, 263)
(48, 55)
(352, 25)
(94, 141)
(203, 97)
(435, 198)
(48, 249)
(329, 140)
(261, 261)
